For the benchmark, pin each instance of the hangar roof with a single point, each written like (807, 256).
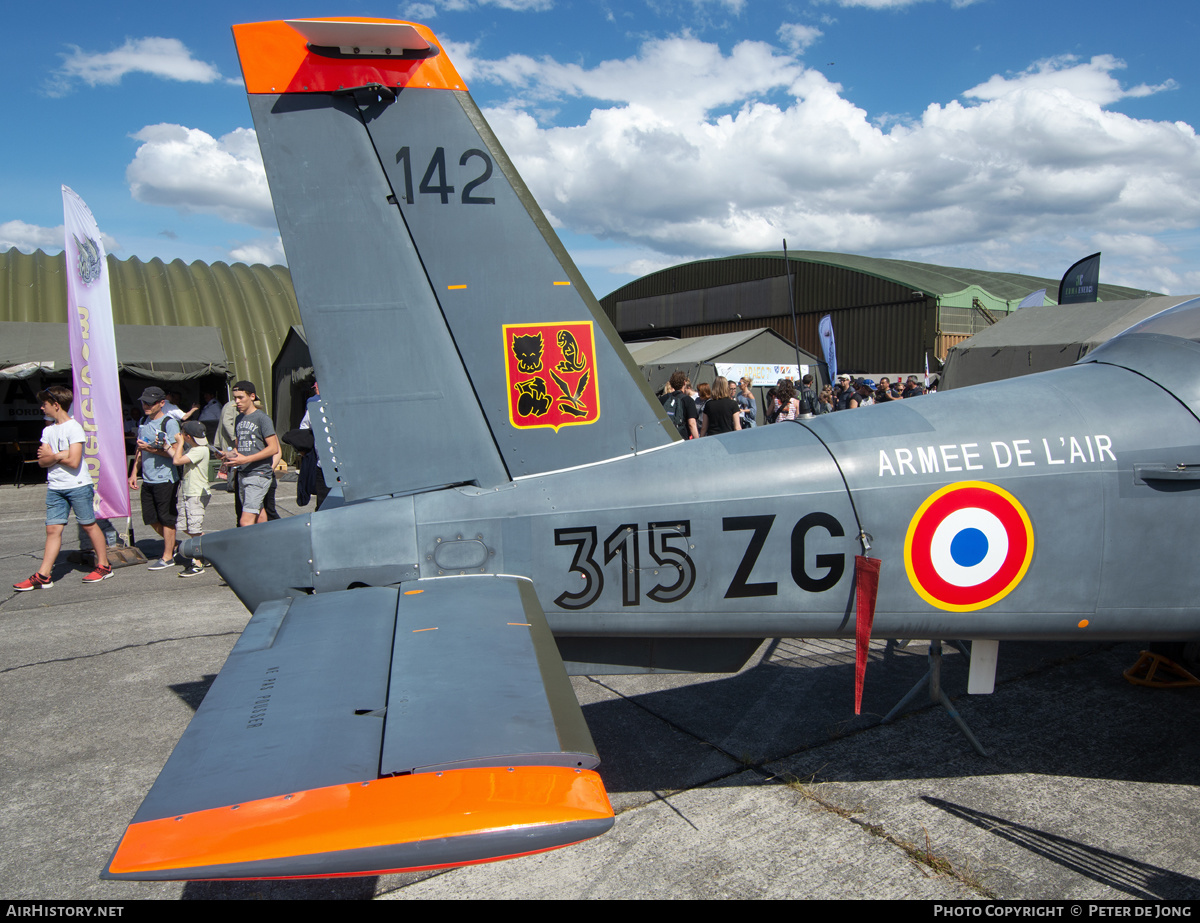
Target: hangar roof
(1049, 337)
(254, 307)
(707, 348)
(926, 277)
(657, 359)
(154, 352)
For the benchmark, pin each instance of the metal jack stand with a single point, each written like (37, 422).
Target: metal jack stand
(933, 679)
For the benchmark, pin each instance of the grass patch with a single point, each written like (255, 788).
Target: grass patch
(922, 856)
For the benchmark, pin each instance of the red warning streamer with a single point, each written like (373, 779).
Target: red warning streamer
(866, 588)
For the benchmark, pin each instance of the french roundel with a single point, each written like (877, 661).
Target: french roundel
(968, 546)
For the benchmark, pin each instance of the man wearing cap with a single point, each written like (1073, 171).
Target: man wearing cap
(190, 453)
(862, 397)
(155, 441)
(843, 393)
(257, 444)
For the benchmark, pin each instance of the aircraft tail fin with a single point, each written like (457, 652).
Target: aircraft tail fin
(454, 339)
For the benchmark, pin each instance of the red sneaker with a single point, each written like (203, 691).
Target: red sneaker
(100, 573)
(35, 582)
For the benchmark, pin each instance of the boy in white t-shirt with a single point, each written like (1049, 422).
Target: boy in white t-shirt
(191, 453)
(68, 487)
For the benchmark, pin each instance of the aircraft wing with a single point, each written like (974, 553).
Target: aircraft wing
(374, 730)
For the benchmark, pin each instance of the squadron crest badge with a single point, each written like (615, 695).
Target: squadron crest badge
(89, 263)
(551, 373)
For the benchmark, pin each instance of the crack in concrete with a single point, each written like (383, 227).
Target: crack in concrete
(123, 647)
(924, 857)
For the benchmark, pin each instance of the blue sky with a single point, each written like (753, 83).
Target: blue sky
(999, 134)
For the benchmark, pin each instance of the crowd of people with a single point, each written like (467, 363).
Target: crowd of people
(723, 406)
(852, 393)
(172, 450)
(171, 453)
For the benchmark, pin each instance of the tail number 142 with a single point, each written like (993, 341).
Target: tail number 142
(435, 182)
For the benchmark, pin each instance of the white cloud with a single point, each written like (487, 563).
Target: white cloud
(733, 6)
(190, 170)
(1144, 261)
(462, 54)
(798, 37)
(718, 153)
(897, 4)
(418, 12)
(161, 57)
(681, 78)
(29, 237)
(459, 6)
(1092, 81)
(266, 250)
(642, 266)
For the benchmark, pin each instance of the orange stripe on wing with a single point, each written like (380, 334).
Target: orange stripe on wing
(399, 809)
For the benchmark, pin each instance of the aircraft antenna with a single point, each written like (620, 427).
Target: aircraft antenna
(787, 268)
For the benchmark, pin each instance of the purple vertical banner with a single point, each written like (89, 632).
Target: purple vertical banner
(97, 404)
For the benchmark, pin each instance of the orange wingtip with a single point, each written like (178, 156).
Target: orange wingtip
(382, 812)
(276, 58)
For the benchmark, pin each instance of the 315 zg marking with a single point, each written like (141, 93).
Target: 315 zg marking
(668, 548)
(669, 545)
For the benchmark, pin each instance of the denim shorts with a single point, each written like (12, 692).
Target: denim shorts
(252, 488)
(59, 504)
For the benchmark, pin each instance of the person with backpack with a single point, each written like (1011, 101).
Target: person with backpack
(155, 442)
(680, 407)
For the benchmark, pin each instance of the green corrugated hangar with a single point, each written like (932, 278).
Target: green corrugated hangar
(252, 307)
(1044, 338)
(887, 314)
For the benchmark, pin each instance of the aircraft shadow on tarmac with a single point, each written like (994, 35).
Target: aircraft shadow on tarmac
(1060, 709)
(1129, 876)
(193, 693)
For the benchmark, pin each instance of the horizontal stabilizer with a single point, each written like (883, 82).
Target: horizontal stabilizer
(484, 750)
